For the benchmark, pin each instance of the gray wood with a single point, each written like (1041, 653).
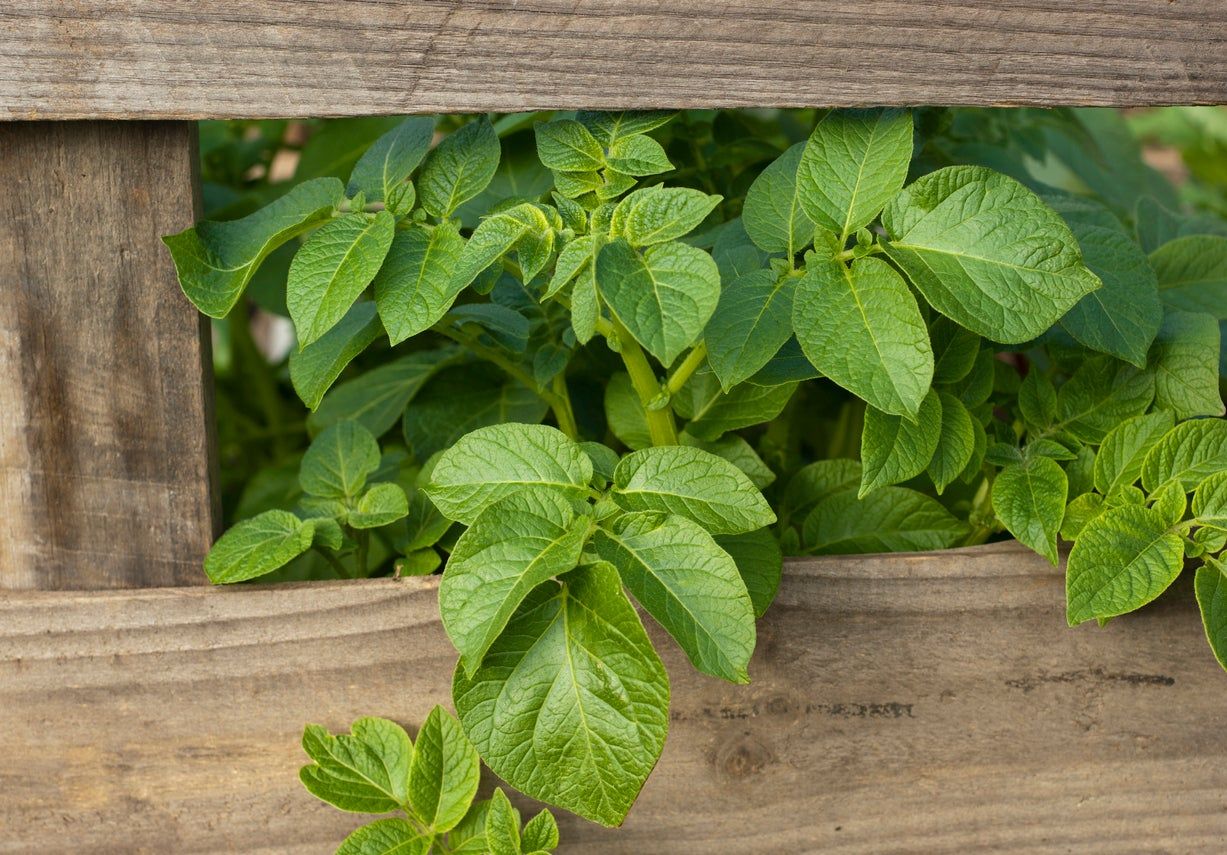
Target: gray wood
(105, 386)
(232, 58)
(931, 703)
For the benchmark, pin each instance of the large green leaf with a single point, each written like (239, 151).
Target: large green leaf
(691, 483)
(1185, 361)
(891, 519)
(496, 461)
(690, 586)
(986, 252)
(571, 703)
(1029, 499)
(215, 261)
(364, 771)
(751, 323)
(1210, 585)
(458, 168)
(1118, 462)
(392, 157)
(860, 326)
(772, 214)
(663, 296)
(852, 165)
(513, 546)
(444, 774)
(1192, 274)
(315, 367)
(332, 268)
(1188, 453)
(894, 449)
(257, 546)
(413, 289)
(1122, 560)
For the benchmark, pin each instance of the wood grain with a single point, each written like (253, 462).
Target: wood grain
(236, 58)
(104, 387)
(906, 703)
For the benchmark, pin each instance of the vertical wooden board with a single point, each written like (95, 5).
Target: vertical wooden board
(105, 395)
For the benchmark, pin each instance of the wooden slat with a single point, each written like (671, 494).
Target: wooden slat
(105, 392)
(908, 703)
(233, 58)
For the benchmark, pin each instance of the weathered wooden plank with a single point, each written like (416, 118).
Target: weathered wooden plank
(908, 703)
(233, 58)
(105, 409)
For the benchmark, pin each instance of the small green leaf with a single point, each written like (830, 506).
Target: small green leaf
(1101, 394)
(751, 323)
(1210, 586)
(1170, 502)
(458, 168)
(413, 289)
(496, 461)
(541, 833)
(1210, 501)
(663, 296)
(502, 826)
(567, 146)
(860, 326)
(495, 237)
(891, 519)
(955, 444)
(759, 561)
(332, 268)
(444, 774)
(1192, 274)
(854, 162)
(894, 449)
(314, 368)
(610, 127)
(734, 448)
(1188, 453)
(691, 483)
(380, 505)
(258, 546)
(377, 398)
(638, 155)
(385, 837)
(364, 771)
(1185, 361)
(1079, 513)
(772, 215)
(986, 252)
(1029, 499)
(571, 703)
(513, 546)
(690, 586)
(573, 258)
(713, 413)
(954, 350)
(658, 214)
(1037, 399)
(338, 462)
(392, 158)
(1123, 559)
(215, 261)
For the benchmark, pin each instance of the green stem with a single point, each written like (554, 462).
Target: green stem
(981, 516)
(691, 364)
(341, 569)
(660, 420)
(563, 411)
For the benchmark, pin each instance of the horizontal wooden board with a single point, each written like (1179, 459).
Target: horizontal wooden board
(906, 703)
(236, 58)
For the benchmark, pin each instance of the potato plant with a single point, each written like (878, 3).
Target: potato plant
(583, 362)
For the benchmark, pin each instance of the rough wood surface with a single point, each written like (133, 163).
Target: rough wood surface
(234, 58)
(104, 393)
(907, 703)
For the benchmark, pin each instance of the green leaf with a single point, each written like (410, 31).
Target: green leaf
(1192, 274)
(1188, 453)
(1101, 394)
(385, 837)
(813, 483)
(892, 519)
(1037, 399)
(894, 449)
(860, 326)
(315, 367)
(338, 462)
(955, 444)
(954, 350)
(604, 461)
(663, 296)
(1210, 585)
(690, 586)
(751, 323)
(609, 127)
(734, 448)
(332, 268)
(571, 703)
(1029, 499)
(759, 561)
(1119, 460)
(713, 413)
(392, 158)
(380, 505)
(658, 214)
(377, 398)
(638, 155)
(215, 261)
(495, 237)
(566, 145)
(1170, 502)
(541, 833)
(502, 826)
(1185, 361)
(986, 252)
(1210, 501)
(413, 289)
(772, 215)
(258, 546)
(624, 414)
(1123, 559)
(853, 164)
(463, 399)
(1079, 513)
(364, 771)
(458, 168)
(513, 546)
(691, 483)
(573, 258)
(496, 461)
(444, 774)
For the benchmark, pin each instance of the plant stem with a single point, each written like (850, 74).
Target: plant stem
(981, 515)
(563, 411)
(660, 420)
(341, 569)
(689, 366)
